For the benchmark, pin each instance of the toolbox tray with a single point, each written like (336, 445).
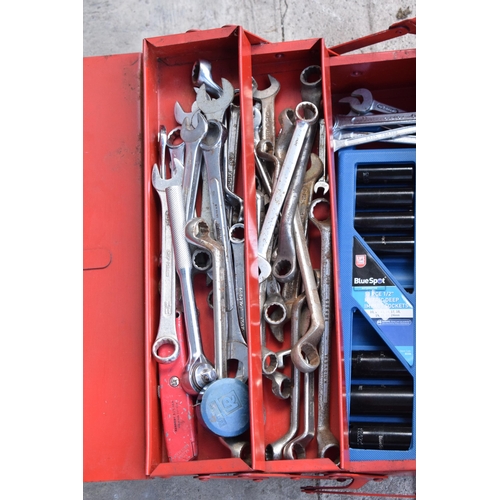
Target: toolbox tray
(126, 98)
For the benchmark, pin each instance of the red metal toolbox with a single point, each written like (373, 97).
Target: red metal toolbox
(126, 99)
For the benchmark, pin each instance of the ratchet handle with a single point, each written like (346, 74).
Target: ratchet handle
(177, 410)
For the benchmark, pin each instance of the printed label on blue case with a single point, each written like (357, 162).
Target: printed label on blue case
(382, 301)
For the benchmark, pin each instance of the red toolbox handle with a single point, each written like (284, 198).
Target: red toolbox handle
(405, 27)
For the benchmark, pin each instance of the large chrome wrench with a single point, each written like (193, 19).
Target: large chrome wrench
(306, 114)
(304, 353)
(167, 332)
(192, 136)
(198, 233)
(267, 97)
(212, 145)
(290, 290)
(327, 442)
(199, 371)
(296, 447)
(373, 137)
(344, 121)
(214, 109)
(368, 104)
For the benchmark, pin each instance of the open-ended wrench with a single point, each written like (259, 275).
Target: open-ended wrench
(192, 136)
(344, 121)
(267, 98)
(198, 371)
(214, 109)
(306, 114)
(212, 145)
(327, 443)
(368, 104)
(373, 137)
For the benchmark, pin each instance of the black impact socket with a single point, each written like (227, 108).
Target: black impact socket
(385, 198)
(380, 436)
(384, 221)
(377, 364)
(395, 400)
(385, 174)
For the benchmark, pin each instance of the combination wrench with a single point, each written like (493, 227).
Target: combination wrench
(274, 450)
(167, 332)
(306, 114)
(327, 443)
(212, 145)
(198, 371)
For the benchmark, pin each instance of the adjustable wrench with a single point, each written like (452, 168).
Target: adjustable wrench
(198, 371)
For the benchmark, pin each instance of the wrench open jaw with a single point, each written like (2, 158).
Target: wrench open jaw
(369, 104)
(214, 109)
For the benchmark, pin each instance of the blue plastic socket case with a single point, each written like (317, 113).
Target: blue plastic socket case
(376, 215)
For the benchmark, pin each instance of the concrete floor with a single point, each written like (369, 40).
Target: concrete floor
(119, 26)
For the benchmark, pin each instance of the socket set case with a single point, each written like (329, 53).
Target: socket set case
(126, 100)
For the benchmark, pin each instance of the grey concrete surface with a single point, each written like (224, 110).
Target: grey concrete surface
(119, 26)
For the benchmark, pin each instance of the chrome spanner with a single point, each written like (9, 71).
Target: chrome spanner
(327, 442)
(359, 121)
(212, 145)
(306, 114)
(198, 233)
(368, 104)
(192, 136)
(214, 109)
(267, 98)
(167, 331)
(322, 183)
(373, 137)
(199, 371)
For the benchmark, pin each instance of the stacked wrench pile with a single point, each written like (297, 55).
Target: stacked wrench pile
(370, 121)
(203, 151)
(293, 295)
